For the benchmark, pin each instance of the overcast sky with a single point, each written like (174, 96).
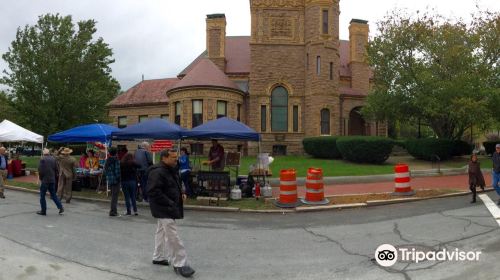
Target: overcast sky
(158, 38)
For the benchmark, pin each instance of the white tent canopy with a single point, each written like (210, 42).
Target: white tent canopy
(11, 132)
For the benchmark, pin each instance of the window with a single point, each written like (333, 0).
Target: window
(325, 122)
(263, 118)
(307, 61)
(279, 109)
(122, 122)
(197, 113)
(279, 150)
(331, 70)
(178, 113)
(143, 118)
(318, 65)
(164, 116)
(238, 112)
(221, 109)
(325, 21)
(295, 118)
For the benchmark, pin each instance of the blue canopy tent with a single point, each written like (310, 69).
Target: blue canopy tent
(97, 132)
(155, 129)
(223, 128)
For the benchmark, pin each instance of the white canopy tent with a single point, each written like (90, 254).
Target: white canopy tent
(11, 132)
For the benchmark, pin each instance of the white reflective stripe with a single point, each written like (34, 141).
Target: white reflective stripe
(288, 192)
(402, 175)
(288, 183)
(402, 185)
(314, 191)
(314, 181)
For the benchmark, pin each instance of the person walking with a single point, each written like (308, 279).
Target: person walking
(112, 173)
(166, 203)
(47, 172)
(144, 158)
(495, 174)
(128, 171)
(185, 170)
(67, 173)
(4, 161)
(476, 178)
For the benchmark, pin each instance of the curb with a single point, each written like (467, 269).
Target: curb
(299, 209)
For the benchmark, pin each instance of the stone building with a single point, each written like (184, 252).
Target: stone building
(292, 78)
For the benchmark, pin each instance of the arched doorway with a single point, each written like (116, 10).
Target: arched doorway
(357, 125)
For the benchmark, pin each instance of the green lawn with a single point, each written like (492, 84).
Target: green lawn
(330, 167)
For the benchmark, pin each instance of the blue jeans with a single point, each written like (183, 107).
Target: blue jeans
(186, 177)
(496, 180)
(129, 189)
(144, 184)
(52, 190)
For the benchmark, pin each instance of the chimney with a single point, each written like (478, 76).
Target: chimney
(216, 39)
(358, 40)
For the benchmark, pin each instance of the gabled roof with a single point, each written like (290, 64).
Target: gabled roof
(144, 93)
(237, 53)
(205, 73)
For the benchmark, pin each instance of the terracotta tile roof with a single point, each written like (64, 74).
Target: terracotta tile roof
(351, 92)
(145, 92)
(237, 54)
(345, 70)
(205, 73)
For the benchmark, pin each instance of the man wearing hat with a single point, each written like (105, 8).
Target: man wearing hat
(496, 169)
(47, 172)
(67, 172)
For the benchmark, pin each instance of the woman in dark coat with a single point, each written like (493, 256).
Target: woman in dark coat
(476, 178)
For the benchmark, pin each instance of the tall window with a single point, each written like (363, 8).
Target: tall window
(178, 113)
(325, 122)
(295, 118)
(122, 122)
(331, 70)
(263, 118)
(197, 113)
(143, 118)
(238, 112)
(325, 22)
(318, 65)
(279, 109)
(221, 109)
(307, 61)
(164, 116)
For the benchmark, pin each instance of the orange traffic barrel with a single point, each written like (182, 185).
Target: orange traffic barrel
(288, 189)
(402, 180)
(315, 193)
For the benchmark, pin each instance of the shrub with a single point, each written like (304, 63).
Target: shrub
(461, 148)
(489, 146)
(365, 149)
(321, 147)
(428, 147)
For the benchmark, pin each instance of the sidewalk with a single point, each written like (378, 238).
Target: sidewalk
(456, 182)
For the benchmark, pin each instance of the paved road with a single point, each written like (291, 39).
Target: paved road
(87, 244)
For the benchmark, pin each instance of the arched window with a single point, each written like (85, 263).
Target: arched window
(279, 109)
(325, 122)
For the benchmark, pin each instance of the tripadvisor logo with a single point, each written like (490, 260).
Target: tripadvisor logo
(387, 255)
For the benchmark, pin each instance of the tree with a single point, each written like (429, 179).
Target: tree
(6, 109)
(59, 77)
(431, 70)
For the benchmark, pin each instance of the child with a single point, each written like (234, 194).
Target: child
(475, 176)
(185, 169)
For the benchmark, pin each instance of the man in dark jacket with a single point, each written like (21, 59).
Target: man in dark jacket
(144, 158)
(496, 170)
(47, 170)
(166, 202)
(113, 177)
